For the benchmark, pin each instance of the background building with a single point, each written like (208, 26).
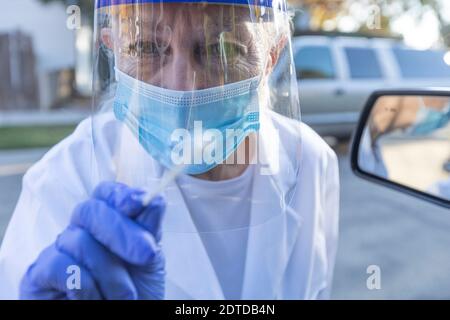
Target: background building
(37, 55)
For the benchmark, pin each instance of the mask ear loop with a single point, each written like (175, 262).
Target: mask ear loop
(116, 59)
(116, 68)
(116, 54)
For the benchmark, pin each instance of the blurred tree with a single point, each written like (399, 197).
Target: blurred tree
(318, 12)
(323, 14)
(422, 6)
(437, 7)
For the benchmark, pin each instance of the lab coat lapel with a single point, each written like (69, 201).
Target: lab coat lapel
(188, 267)
(271, 238)
(187, 262)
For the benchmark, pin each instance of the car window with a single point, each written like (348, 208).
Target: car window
(363, 63)
(421, 64)
(314, 62)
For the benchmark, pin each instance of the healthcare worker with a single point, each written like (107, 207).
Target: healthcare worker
(186, 182)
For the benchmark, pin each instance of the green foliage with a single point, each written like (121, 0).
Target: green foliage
(32, 137)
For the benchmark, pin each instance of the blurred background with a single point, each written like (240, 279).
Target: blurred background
(343, 51)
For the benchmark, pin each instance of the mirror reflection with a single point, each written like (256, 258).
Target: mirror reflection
(407, 141)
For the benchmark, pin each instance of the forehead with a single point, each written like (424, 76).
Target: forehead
(186, 14)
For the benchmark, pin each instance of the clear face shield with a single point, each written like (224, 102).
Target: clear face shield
(199, 103)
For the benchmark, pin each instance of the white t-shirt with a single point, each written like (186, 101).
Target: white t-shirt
(221, 213)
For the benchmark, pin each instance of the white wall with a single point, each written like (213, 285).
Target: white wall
(54, 44)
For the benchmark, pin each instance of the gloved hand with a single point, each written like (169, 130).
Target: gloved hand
(114, 241)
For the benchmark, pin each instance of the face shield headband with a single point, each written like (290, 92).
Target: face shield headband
(273, 4)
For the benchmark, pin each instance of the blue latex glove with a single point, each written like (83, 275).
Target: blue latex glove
(115, 243)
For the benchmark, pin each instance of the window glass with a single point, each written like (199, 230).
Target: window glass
(314, 62)
(363, 63)
(422, 64)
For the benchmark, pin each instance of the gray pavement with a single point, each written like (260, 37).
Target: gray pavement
(9, 157)
(9, 193)
(67, 116)
(12, 166)
(407, 238)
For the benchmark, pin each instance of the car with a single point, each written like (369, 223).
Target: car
(337, 74)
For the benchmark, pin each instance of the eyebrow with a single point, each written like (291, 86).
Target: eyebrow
(213, 30)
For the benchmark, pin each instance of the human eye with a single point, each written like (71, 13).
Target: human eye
(145, 48)
(226, 51)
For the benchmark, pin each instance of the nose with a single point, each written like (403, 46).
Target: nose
(181, 73)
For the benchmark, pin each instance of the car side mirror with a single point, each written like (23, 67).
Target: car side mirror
(403, 142)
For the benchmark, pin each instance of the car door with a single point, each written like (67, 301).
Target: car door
(363, 73)
(318, 76)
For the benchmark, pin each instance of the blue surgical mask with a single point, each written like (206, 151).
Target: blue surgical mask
(429, 120)
(153, 114)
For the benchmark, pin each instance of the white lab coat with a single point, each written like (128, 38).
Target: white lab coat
(308, 233)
